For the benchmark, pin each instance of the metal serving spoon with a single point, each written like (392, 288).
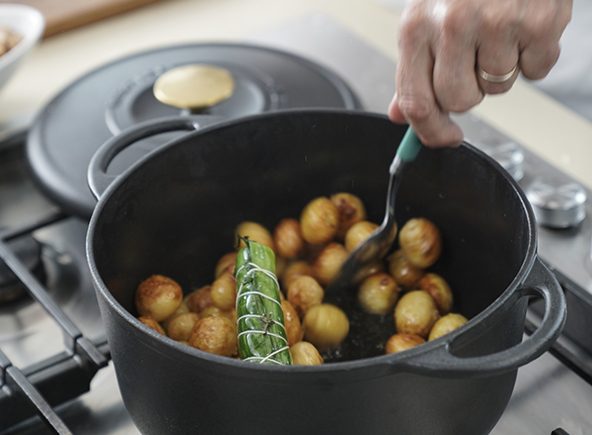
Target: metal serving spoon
(376, 246)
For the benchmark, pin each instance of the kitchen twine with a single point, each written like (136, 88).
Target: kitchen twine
(256, 268)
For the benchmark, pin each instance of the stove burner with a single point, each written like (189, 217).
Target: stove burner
(29, 252)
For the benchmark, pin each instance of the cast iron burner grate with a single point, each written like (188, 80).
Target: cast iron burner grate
(42, 386)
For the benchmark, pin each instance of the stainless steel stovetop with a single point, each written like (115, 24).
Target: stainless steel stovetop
(552, 392)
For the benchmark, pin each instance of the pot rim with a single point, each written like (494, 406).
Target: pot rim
(390, 362)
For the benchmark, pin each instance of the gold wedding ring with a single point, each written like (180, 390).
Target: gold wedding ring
(496, 79)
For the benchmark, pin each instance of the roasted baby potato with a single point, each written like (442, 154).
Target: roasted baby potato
(328, 262)
(304, 293)
(288, 239)
(446, 324)
(305, 354)
(415, 313)
(158, 297)
(378, 293)
(358, 233)
(421, 242)
(400, 342)
(439, 289)
(403, 271)
(325, 326)
(215, 335)
(253, 231)
(351, 211)
(319, 221)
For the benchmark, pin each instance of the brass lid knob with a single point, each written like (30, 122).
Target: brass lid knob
(194, 87)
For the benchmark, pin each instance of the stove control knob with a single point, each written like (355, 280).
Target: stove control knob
(507, 153)
(556, 203)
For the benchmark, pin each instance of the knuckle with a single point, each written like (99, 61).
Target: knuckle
(455, 23)
(416, 108)
(539, 68)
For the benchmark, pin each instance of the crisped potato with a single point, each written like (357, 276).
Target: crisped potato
(325, 326)
(415, 313)
(304, 293)
(400, 342)
(288, 239)
(253, 231)
(378, 293)
(358, 233)
(319, 221)
(421, 242)
(158, 297)
(351, 211)
(329, 262)
(305, 354)
(215, 335)
(405, 273)
(447, 324)
(292, 323)
(439, 289)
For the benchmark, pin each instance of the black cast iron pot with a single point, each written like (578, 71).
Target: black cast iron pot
(174, 213)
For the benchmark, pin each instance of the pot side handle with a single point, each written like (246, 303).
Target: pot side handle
(540, 281)
(98, 179)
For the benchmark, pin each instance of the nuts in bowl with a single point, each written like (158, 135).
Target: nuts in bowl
(21, 27)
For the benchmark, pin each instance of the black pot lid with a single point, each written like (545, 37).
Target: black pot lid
(119, 95)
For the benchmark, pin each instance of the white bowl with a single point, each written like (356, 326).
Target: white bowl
(29, 23)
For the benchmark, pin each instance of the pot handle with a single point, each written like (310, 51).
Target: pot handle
(99, 180)
(540, 281)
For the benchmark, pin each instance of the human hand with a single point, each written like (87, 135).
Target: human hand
(446, 45)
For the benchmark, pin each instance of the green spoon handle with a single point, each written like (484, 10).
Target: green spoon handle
(409, 147)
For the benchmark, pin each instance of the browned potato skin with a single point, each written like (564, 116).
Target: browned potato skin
(182, 309)
(358, 233)
(288, 240)
(378, 293)
(294, 270)
(325, 326)
(405, 273)
(319, 221)
(304, 293)
(351, 211)
(158, 297)
(400, 342)
(180, 326)
(305, 354)
(223, 291)
(415, 313)
(215, 335)
(329, 262)
(421, 242)
(152, 324)
(292, 323)
(198, 300)
(446, 324)
(225, 263)
(214, 311)
(439, 289)
(254, 231)
(281, 264)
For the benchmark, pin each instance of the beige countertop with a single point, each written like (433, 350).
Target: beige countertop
(525, 114)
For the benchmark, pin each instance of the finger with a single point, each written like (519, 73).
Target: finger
(394, 113)
(543, 26)
(497, 58)
(415, 100)
(455, 85)
(536, 61)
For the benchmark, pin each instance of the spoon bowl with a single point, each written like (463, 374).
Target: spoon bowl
(363, 258)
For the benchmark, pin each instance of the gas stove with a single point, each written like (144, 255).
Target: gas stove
(54, 358)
